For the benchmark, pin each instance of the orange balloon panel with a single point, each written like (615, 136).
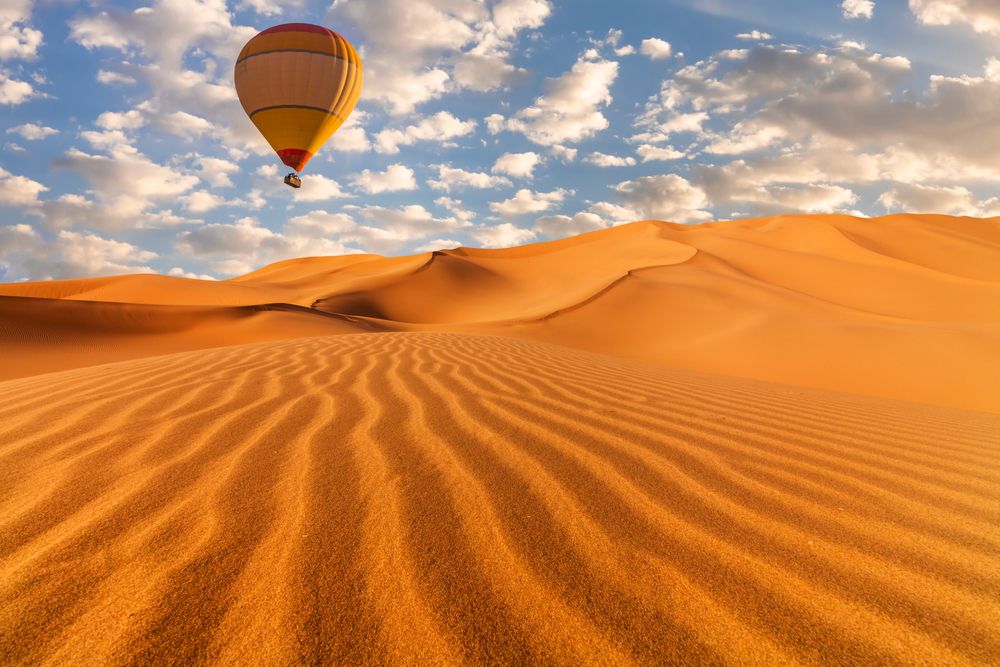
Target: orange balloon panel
(298, 82)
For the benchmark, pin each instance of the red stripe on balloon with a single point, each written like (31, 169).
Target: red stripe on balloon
(299, 27)
(296, 158)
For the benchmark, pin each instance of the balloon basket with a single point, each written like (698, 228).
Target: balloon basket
(293, 180)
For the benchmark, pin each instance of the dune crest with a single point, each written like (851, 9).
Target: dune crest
(905, 306)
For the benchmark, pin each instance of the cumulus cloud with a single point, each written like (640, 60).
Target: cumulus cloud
(755, 35)
(518, 165)
(955, 200)
(650, 153)
(668, 197)
(18, 190)
(452, 178)
(187, 94)
(459, 44)
(503, 235)
(561, 226)
(564, 153)
(216, 171)
(858, 9)
(655, 49)
(316, 187)
(25, 252)
(110, 78)
(351, 137)
(14, 91)
(604, 160)
(17, 38)
(395, 178)
(437, 244)
(569, 111)
(816, 121)
(441, 127)
(528, 201)
(33, 131)
(410, 222)
(982, 15)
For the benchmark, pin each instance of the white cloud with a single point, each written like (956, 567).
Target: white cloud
(202, 201)
(982, 15)
(438, 244)
(755, 35)
(564, 153)
(440, 127)
(930, 199)
(503, 235)
(109, 78)
(351, 137)
(655, 49)
(455, 207)
(33, 131)
(604, 160)
(18, 190)
(568, 112)
(395, 178)
(618, 215)
(518, 165)
(409, 222)
(125, 181)
(650, 153)
(179, 272)
(215, 171)
(858, 9)
(626, 50)
(451, 178)
(667, 197)
(14, 91)
(448, 44)
(269, 7)
(161, 41)
(17, 38)
(528, 201)
(127, 120)
(561, 226)
(23, 251)
(316, 187)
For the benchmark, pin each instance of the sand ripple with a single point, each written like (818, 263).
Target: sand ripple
(448, 498)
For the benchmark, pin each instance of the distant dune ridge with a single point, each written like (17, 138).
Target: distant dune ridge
(771, 441)
(903, 306)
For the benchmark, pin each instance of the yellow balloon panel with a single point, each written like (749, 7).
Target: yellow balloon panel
(304, 129)
(298, 83)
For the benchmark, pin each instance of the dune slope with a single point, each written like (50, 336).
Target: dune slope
(439, 498)
(904, 307)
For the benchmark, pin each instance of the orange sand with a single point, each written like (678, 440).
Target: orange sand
(761, 442)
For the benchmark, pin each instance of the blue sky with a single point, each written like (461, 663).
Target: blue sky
(482, 123)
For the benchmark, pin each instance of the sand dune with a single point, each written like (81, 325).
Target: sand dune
(426, 498)
(770, 441)
(904, 307)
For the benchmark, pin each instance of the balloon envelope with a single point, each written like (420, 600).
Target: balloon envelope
(298, 82)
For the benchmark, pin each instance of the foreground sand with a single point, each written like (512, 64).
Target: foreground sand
(438, 498)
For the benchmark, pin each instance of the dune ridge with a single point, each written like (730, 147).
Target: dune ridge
(427, 497)
(904, 306)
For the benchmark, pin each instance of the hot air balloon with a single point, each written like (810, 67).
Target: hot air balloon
(298, 82)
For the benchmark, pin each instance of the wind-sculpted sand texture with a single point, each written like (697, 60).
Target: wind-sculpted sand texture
(431, 498)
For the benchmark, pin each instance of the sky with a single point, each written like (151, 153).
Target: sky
(483, 123)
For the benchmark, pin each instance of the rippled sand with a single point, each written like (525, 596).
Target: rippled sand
(416, 497)
(769, 441)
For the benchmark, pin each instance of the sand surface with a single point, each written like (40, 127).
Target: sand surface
(760, 442)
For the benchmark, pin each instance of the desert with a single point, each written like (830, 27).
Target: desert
(766, 441)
